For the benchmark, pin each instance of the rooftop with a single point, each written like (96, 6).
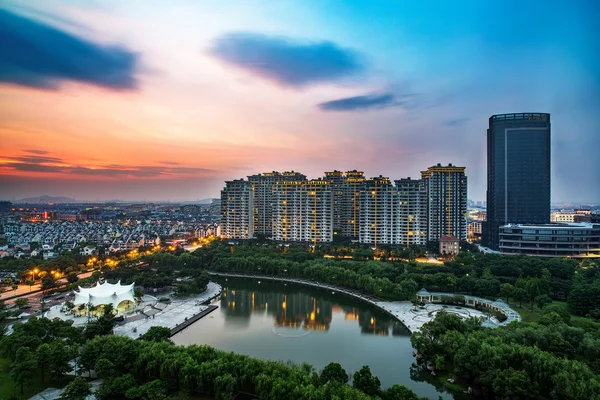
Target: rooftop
(563, 225)
(449, 239)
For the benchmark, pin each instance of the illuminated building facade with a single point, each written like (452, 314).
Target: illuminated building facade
(346, 189)
(378, 212)
(412, 212)
(518, 172)
(446, 201)
(337, 181)
(262, 204)
(236, 210)
(574, 240)
(287, 207)
(263, 187)
(303, 211)
(354, 184)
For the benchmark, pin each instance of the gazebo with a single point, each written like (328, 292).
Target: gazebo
(105, 293)
(423, 295)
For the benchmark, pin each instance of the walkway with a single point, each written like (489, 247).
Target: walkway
(176, 313)
(26, 291)
(403, 311)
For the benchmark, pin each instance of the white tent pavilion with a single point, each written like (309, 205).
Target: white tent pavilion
(106, 293)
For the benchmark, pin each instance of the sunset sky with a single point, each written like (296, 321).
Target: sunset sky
(164, 100)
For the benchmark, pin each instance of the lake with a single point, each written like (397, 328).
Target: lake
(278, 321)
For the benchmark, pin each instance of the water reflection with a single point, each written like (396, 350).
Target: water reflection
(302, 311)
(274, 321)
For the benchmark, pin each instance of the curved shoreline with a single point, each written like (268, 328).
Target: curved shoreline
(366, 298)
(400, 310)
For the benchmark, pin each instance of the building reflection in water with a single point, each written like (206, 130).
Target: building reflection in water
(373, 324)
(299, 310)
(236, 306)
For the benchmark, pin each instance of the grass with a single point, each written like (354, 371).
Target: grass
(455, 387)
(8, 387)
(533, 316)
(526, 314)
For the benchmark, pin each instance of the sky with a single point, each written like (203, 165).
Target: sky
(165, 100)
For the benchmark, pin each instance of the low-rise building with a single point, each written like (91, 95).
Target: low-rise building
(449, 245)
(574, 240)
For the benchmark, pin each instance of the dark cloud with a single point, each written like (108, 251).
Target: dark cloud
(285, 61)
(33, 151)
(48, 165)
(369, 102)
(456, 122)
(37, 159)
(38, 55)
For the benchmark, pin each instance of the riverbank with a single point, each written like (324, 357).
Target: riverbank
(404, 311)
(400, 310)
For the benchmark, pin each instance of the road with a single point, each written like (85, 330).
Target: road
(28, 292)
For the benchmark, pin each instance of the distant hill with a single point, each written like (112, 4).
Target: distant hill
(205, 201)
(47, 200)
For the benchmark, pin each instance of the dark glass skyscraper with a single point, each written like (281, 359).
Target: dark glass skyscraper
(518, 172)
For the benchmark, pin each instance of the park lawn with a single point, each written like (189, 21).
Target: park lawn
(526, 314)
(8, 388)
(534, 316)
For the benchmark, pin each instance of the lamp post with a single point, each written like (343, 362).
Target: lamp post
(33, 272)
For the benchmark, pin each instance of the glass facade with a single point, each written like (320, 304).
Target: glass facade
(518, 189)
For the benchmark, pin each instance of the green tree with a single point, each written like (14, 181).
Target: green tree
(157, 334)
(59, 359)
(510, 384)
(104, 368)
(77, 389)
(108, 310)
(72, 277)
(364, 381)
(21, 302)
(23, 368)
(506, 291)
(43, 358)
(520, 295)
(542, 301)
(334, 372)
(399, 392)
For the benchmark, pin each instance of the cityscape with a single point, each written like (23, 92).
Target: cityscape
(253, 200)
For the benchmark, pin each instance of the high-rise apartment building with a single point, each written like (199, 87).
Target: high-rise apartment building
(286, 211)
(355, 183)
(412, 212)
(289, 208)
(263, 186)
(346, 202)
(236, 210)
(446, 201)
(262, 194)
(303, 211)
(317, 211)
(518, 172)
(378, 212)
(337, 182)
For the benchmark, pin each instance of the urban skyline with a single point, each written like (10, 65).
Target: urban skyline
(288, 207)
(169, 111)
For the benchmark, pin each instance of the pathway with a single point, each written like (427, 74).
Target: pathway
(403, 311)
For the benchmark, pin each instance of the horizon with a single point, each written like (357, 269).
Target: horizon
(105, 100)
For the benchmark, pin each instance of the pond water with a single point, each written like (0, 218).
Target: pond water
(277, 321)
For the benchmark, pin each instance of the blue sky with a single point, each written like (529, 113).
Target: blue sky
(222, 89)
